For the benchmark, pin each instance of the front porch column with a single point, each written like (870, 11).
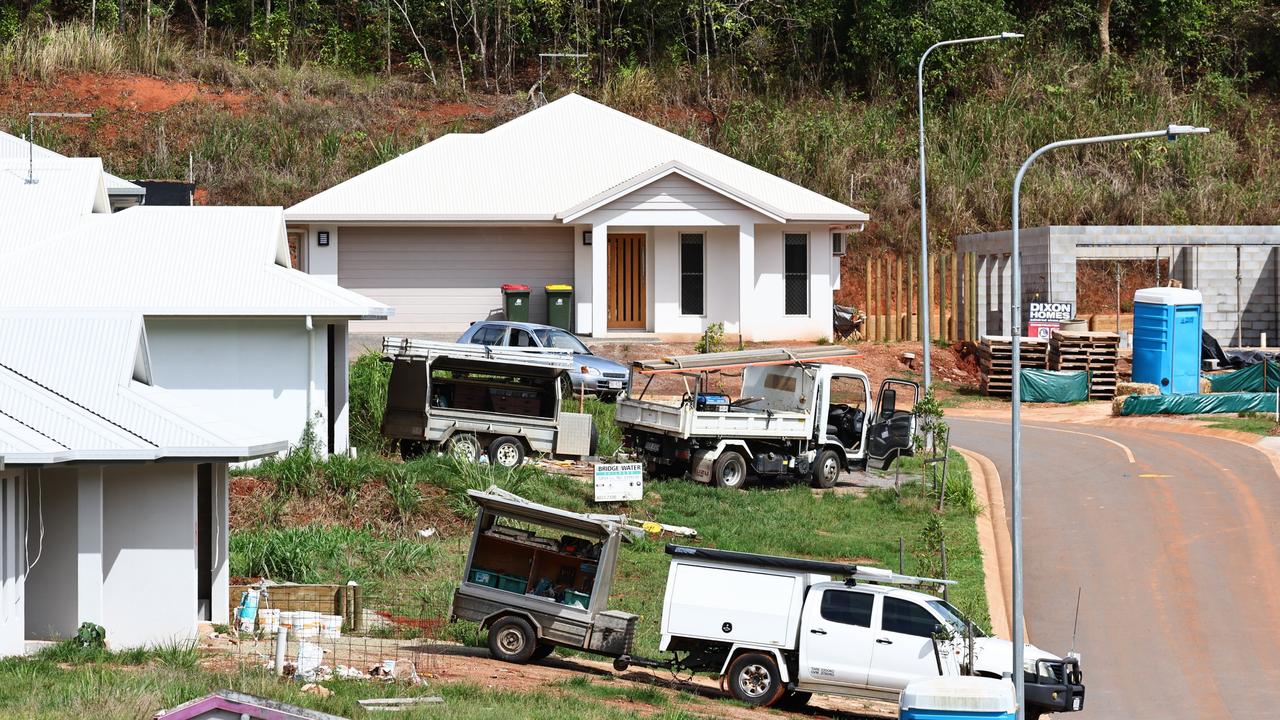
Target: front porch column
(599, 280)
(746, 277)
(89, 545)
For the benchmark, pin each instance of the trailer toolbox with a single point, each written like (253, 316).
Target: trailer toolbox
(613, 633)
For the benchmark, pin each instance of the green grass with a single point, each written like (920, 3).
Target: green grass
(1256, 423)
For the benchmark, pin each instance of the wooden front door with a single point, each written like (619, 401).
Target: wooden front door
(626, 289)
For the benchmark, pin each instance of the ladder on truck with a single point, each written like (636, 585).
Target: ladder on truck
(705, 362)
(397, 348)
(848, 571)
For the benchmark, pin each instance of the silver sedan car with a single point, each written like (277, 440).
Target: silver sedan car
(592, 373)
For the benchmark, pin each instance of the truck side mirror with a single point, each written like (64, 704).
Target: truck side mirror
(889, 402)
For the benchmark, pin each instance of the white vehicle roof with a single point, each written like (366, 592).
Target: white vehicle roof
(887, 590)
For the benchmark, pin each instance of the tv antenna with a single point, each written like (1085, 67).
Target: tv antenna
(31, 138)
(535, 92)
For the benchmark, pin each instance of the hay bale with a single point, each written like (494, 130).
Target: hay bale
(1133, 388)
(1206, 387)
(1117, 403)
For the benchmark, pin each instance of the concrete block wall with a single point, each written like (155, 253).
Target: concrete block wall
(1242, 319)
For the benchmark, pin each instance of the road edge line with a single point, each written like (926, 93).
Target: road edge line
(994, 541)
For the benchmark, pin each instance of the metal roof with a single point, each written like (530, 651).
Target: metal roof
(553, 164)
(68, 392)
(66, 194)
(16, 148)
(176, 261)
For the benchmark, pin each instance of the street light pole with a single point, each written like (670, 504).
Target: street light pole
(924, 228)
(1172, 132)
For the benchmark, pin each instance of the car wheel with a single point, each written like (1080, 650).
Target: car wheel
(754, 679)
(826, 469)
(411, 449)
(512, 639)
(463, 446)
(506, 451)
(730, 470)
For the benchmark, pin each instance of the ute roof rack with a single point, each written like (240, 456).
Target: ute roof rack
(849, 571)
(552, 358)
(743, 358)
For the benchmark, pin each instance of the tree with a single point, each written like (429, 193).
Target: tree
(1104, 28)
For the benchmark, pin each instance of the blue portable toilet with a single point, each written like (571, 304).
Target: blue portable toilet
(949, 697)
(1166, 339)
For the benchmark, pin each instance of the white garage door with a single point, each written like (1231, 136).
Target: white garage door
(440, 280)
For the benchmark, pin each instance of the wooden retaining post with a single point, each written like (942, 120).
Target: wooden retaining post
(866, 307)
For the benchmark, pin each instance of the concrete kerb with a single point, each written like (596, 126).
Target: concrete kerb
(994, 541)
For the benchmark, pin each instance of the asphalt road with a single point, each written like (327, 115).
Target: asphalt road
(1176, 554)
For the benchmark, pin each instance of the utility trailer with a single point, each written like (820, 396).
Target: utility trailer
(473, 400)
(776, 629)
(797, 416)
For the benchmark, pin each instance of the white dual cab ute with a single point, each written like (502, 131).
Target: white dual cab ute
(780, 629)
(796, 416)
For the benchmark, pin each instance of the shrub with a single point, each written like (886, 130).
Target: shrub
(367, 400)
(712, 339)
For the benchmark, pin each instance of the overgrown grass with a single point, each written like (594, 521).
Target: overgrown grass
(368, 377)
(69, 652)
(313, 554)
(1256, 423)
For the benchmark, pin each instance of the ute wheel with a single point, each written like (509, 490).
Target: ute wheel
(542, 652)
(794, 700)
(463, 446)
(511, 639)
(754, 679)
(826, 469)
(594, 447)
(411, 449)
(730, 470)
(506, 451)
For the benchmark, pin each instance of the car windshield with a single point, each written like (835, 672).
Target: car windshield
(954, 617)
(561, 340)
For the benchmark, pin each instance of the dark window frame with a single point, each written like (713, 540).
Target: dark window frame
(790, 275)
(686, 307)
(868, 597)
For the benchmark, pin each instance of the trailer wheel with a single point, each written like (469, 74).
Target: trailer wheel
(506, 451)
(730, 470)
(826, 469)
(511, 639)
(463, 446)
(411, 449)
(542, 652)
(754, 679)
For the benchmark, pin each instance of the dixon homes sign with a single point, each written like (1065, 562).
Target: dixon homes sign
(1045, 317)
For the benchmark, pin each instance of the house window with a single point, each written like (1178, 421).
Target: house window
(692, 275)
(795, 272)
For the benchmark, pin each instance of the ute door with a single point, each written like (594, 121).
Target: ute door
(892, 431)
(836, 638)
(903, 645)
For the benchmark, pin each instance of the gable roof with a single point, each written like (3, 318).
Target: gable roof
(548, 165)
(66, 193)
(72, 389)
(16, 148)
(176, 261)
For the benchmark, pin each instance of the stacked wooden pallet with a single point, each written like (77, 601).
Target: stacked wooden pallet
(995, 358)
(1092, 351)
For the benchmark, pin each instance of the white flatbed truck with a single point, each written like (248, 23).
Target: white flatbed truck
(777, 629)
(796, 416)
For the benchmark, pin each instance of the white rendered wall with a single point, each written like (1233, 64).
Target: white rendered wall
(13, 562)
(149, 554)
(768, 318)
(251, 369)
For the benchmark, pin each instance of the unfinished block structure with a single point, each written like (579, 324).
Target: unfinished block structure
(1235, 267)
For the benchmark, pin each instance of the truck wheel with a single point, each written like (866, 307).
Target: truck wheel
(511, 639)
(463, 446)
(730, 470)
(506, 451)
(826, 469)
(410, 449)
(754, 679)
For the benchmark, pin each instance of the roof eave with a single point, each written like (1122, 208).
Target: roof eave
(416, 218)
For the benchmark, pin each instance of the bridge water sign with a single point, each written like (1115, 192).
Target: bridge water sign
(619, 482)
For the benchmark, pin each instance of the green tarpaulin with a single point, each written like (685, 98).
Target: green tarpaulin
(1231, 402)
(1054, 385)
(1260, 378)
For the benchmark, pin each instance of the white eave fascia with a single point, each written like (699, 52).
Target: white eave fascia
(661, 171)
(230, 454)
(415, 218)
